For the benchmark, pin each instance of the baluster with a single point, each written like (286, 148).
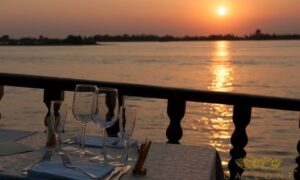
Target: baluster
(49, 95)
(1, 95)
(176, 111)
(114, 130)
(239, 139)
(1, 91)
(297, 169)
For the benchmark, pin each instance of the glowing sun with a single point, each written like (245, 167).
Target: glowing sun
(222, 11)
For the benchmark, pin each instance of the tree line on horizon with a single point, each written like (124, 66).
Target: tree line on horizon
(79, 40)
(69, 40)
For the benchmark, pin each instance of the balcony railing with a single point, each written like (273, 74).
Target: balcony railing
(243, 103)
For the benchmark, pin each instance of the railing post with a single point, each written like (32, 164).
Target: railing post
(297, 169)
(176, 111)
(239, 139)
(49, 95)
(1, 95)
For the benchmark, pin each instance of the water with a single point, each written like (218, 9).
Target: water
(255, 67)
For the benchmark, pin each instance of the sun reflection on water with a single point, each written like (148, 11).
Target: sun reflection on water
(221, 69)
(220, 122)
(214, 121)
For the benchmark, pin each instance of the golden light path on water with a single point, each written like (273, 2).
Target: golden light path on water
(222, 80)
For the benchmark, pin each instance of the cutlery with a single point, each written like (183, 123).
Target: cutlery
(46, 157)
(116, 170)
(123, 171)
(68, 164)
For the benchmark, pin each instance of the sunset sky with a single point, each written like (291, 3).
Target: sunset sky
(58, 18)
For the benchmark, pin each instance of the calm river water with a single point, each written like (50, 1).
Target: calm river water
(254, 67)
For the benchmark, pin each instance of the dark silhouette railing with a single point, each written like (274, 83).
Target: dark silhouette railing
(243, 103)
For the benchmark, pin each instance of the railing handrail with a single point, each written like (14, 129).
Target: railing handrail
(229, 98)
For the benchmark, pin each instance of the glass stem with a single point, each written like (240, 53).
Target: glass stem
(104, 145)
(57, 143)
(125, 155)
(82, 142)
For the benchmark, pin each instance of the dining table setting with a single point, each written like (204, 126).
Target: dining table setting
(55, 154)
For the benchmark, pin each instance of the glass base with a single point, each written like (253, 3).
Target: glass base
(70, 149)
(110, 160)
(97, 159)
(82, 153)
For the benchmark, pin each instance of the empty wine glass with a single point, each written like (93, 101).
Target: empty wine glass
(82, 105)
(105, 113)
(58, 115)
(127, 120)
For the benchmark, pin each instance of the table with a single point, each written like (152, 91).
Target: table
(165, 161)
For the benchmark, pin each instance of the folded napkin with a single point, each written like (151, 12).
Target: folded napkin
(112, 142)
(56, 170)
(11, 147)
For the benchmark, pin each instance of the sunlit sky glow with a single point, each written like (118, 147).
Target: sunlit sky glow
(222, 11)
(58, 18)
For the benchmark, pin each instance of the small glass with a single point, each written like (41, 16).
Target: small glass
(127, 120)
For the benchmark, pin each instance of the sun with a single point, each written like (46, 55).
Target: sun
(221, 11)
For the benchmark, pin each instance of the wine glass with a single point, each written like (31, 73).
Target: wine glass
(127, 120)
(105, 113)
(82, 105)
(58, 115)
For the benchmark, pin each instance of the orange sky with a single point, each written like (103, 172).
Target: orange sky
(58, 18)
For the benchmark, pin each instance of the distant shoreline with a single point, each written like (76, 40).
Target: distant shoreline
(73, 40)
(98, 43)
(50, 44)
